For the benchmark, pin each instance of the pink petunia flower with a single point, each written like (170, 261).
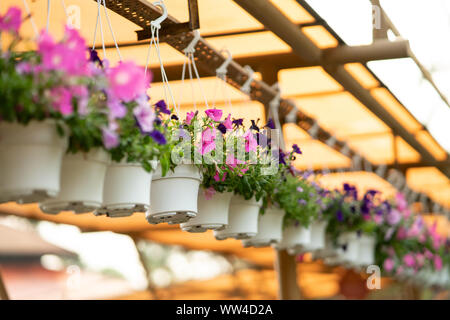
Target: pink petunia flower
(116, 108)
(214, 114)
(250, 142)
(232, 162)
(393, 217)
(189, 117)
(217, 176)
(388, 264)
(12, 20)
(409, 260)
(208, 141)
(228, 123)
(62, 100)
(437, 262)
(209, 193)
(128, 81)
(110, 138)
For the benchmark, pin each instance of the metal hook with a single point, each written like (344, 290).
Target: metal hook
(191, 46)
(223, 69)
(157, 22)
(246, 87)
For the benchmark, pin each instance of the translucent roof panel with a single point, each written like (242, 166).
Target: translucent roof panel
(342, 114)
(431, 145)
(215, 90)
(364, 181)
(295, 12)
(251, 44)
(304, 81)
(360, 73)
(293, 133)
(379, 149)
(320, 36)
(317, 155)
(425, 179)
(398, 111)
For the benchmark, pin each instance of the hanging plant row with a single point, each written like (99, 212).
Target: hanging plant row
(77, 134)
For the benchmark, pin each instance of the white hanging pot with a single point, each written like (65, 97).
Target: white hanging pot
(366, 250)
(30, 161)
(242, 219)
(174, 197)
(82, 178)
(348, 247)
(212, 213)
(126, 190)
(295, 239)
(318, 235)
(270, 229)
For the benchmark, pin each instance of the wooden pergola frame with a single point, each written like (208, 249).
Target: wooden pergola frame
(305, 53)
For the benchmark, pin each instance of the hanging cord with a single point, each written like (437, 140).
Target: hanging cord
(33, 23)
(111, 30)
(221, 73)
(65, 10)
(99, 22)
(48, 15)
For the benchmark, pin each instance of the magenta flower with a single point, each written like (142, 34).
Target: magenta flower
(82, 95)
(209, 193)
(76, 52)
(110, 138)
(420, 259)
(208, 141)
(12, 20)
(250, 141)
(232, 162)
(437, 262)
(217, 176)
(62, 100)
(428, 254)
(128, 81)
(228, 123)
(214, 114)
(189, 117)
(388, 264)
(55, 57)
(409, 260)
(145, 116)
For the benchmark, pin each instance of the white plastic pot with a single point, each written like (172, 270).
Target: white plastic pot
(318, 235)
(270, 229)
(126, 190)
(242, 219)
(212, 213)
(348, 249)
(30, 161)
(82, 178)
(174, 197)
(366, 250)
(296, 239)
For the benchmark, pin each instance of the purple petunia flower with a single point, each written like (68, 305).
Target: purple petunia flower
(270, 124)
(93, 56)
(173, 117)
(221, 127)
(158, 137)
(302, 202)
(161, 106)
(254, 126)
(238, 122)
(340, 216)
(296, 149)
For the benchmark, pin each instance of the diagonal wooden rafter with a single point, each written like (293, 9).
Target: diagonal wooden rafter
(142, 13)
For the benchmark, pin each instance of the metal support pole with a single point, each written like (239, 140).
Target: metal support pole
(286, 269)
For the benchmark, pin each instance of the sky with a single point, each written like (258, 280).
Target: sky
(426, 24)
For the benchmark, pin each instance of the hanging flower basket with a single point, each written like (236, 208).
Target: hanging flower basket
(126, 190)
(212, 213)
(82, 178)
(366, 250)
(318, 236)
(242, 219)
(30, 161)
(348, 249)
(270, 229)
(295, 239)
(174, 196)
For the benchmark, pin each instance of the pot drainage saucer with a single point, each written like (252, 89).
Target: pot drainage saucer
(120, 210)
(27, 196)
(74, 206)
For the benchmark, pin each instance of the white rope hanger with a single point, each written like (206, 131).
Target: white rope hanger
(155, 26)
(221, 74)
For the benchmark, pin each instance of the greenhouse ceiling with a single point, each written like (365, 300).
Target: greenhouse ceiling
(361, 103)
